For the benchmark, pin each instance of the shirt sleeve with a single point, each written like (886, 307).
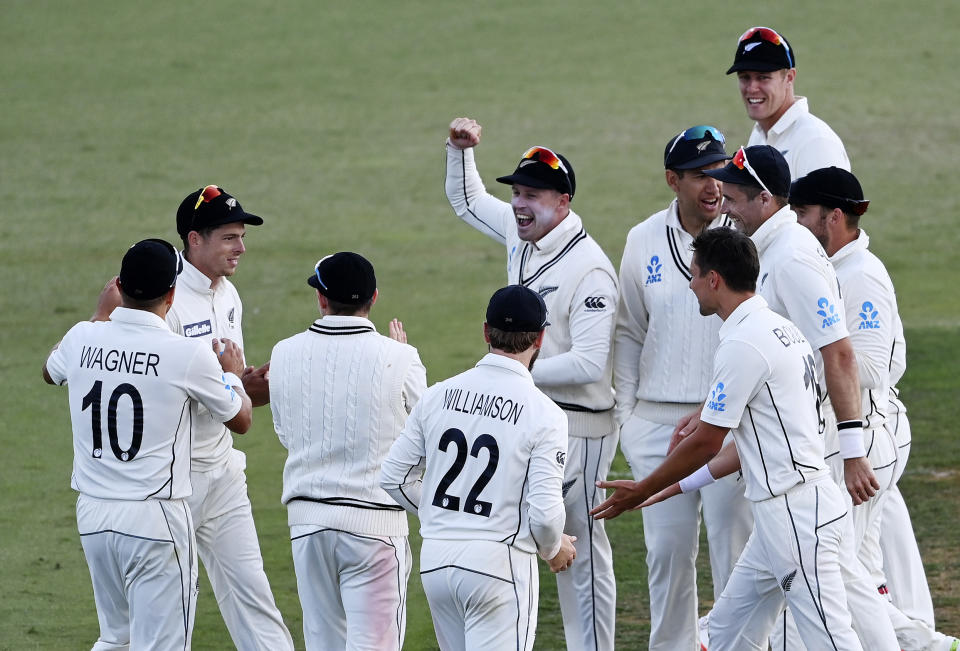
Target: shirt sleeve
(469, 199)
(415, 382)
(57, 360)
(205, 384)
(630, 333)
(545, 495)
(898, 356)
(811, 302)
(739, 371)
(592, 316)
(870, 307)
(401, 473)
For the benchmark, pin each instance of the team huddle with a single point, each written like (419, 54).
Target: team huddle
(745, 359)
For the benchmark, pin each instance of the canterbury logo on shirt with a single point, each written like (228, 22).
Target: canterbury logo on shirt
(828, 311)
(198, 329)
(595, 304)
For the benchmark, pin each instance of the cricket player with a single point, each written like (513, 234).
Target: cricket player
(490, 448)
(212, 225)
(764, 391)
(766, 67)
(340, 393)
(135, 390)
(549, 251)
(830, 203)
(798, 282)
(662, 365)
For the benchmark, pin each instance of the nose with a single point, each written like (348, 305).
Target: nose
(240, 247)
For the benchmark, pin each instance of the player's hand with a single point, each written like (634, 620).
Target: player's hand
(564, 558)
(464, 133)
(256, 383)
(861, 483)
(626, 495)
(230, 355)
(684, 428)
(666, 493)
(108, 301)
(396, 331)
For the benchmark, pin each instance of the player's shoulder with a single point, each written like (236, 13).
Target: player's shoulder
(652, 225)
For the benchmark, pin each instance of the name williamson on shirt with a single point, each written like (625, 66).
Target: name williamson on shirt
(488, 405)
(120, 361)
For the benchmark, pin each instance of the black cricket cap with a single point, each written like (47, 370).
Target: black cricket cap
(767, 163)
(149, 269)
(516, 308)
(763, 50)
(695, 147)
(344, 277)
(541, 167)
(830, 187)
(208, 207)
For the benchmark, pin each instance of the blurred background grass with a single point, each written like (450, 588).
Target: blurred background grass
(328, 120)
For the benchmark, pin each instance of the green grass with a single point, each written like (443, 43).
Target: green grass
(328, 119)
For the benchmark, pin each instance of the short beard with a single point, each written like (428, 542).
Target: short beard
(536, 354)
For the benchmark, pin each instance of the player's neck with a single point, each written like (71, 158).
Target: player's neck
(730, 301)
(767, 123)
(526, 357)
(212, 277)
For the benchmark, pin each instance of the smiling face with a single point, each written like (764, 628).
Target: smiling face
(217, 253)
(700, 285)
(538, 211)
(767, 95)
(699, 197)
(747, 214)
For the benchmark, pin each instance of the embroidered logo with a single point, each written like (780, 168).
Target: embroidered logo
(750, 46)
(763, 279)
(226, 385)
(787, 581)
(717, 396)
(561, 458)
(567, 485)
(828, 311)
(543, 291)
(653, 271)
(869, 317)
(595, 304)
(230, 314)
(198, 329)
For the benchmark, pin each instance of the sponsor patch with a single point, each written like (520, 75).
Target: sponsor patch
(198, 329)
(869, 317)
(561, 458)
(717, 396)
(595, 304)
(653, 271)
(829, 313)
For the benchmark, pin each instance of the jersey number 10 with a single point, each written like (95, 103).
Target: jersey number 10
(92, 399)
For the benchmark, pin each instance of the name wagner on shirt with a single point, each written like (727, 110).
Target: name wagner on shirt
(467, 402)
(121, 361)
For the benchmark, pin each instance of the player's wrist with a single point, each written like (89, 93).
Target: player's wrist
(700, 478)
(850, 433)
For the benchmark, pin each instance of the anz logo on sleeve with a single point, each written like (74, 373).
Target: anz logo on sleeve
(829, 313)
(869, 317)
(717, 397)
(653, 271)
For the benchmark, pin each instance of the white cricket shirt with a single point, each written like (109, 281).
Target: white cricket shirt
(664, 347)
(134, 388)
(494, 447)
(806, 141)
(206, 314)
(764, 389)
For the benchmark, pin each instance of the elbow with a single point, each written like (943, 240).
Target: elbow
(242, 422)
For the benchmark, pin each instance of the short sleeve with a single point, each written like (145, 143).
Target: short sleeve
(205, 384)
(738, 373)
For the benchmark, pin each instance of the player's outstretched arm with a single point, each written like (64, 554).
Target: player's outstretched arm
(684, 428)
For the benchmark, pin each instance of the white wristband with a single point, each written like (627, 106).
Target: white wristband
(697, 480)
(232, 380)
(850, 433)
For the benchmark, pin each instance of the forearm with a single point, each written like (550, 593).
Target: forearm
(687, 457)
(469, 199)
(842, 378)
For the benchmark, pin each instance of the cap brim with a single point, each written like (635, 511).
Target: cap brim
(701, 161)
(735, 176)
(313, 282)
(523, 179)
(755, 66)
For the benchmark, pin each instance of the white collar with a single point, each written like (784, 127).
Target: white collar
(797, 110)
(344, 320)
(506, 363)
(753, 304)
(138, 317)
(859, 244)
(764, 235)
(195, 279)
(558, 236)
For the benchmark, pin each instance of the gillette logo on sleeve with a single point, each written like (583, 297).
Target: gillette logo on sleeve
(199, 329)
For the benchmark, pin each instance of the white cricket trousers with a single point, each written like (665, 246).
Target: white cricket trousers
(352, 587)
(793, 556)
(671, 532)
(588, 590)
(230, 552)
(482, 594)
(143, 564)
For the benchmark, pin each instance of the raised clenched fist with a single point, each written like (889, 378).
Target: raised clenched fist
(464, 133)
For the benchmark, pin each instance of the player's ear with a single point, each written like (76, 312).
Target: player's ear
(373, 300)
(672, 179)
(486, 332)
(539, 342)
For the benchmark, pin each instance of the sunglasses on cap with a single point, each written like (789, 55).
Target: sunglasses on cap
(699, 133)
(740, 161)
(770, 36)
(547, 156)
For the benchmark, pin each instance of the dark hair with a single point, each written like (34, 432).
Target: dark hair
(511, 342)
(140, 304)
(337, 308)
(204, 233)
(731, 254)
(753, 192)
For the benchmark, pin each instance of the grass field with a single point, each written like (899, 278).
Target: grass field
(328, 119)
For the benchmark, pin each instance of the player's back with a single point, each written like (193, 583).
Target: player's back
(495, 447)
(131, 381)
